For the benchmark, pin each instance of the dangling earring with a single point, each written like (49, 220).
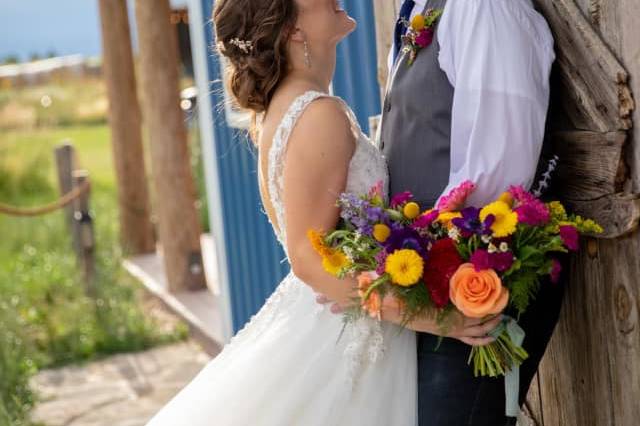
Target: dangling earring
(307, 56)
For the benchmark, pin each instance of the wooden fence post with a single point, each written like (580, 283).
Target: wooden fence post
(65, 164)
(179, 226)
(83, 224)
(136, 229)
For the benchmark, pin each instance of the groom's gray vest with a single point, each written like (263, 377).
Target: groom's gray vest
(416, 124)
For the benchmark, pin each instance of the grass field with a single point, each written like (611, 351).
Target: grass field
(45, 318)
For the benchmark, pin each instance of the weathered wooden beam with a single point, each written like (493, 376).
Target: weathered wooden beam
(136, 229)
(591, 163)
(178, 221)
(596, 82)
(385, 13)
(618, 214)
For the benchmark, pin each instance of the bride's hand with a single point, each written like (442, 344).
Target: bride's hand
(472, 331)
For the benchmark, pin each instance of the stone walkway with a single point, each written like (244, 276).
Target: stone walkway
(123, 390)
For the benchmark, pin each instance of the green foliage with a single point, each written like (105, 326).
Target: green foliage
(46, 319)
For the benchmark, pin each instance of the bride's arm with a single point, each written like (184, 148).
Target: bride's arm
(315, 173)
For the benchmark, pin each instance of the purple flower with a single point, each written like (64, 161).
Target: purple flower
(400, 199)
(556, 268)
(407, 238)
(470, 223)
(425, 38)
(381, 259)
(570, 237)
(500, 261)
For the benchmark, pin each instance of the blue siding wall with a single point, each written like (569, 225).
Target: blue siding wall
(254, 258)
(253, 254)
(356, 79)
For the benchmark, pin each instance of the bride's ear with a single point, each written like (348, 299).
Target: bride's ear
(297, 35)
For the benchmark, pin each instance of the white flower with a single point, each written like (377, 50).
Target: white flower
(486, 239)
(454, 234)
(492, 248)
(504, 247)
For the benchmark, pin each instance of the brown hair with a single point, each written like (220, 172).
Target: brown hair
(256, 72)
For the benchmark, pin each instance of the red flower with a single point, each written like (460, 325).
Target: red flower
(425, 38)
(442, 263)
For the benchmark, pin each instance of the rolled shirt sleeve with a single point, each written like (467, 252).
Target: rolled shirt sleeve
(498, 55)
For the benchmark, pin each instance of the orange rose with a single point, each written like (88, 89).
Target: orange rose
(373, 304)
(477, 293)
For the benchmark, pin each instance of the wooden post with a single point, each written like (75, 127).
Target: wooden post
(83, 224)
(386, 12)
(175, 200)
(65, 164)
(136, 229)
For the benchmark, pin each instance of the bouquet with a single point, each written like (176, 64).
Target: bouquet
(476, 260)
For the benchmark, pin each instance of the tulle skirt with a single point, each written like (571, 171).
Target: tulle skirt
(289, 366)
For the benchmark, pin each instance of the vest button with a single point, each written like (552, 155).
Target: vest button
(387, 105)
(381, 145)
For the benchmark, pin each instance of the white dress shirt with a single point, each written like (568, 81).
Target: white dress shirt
(497, 54)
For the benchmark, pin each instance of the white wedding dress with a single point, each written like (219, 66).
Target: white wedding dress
(287, 367)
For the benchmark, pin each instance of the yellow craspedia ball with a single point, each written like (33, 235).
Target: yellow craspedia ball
(418, 22)
(411, 210)
(381, 232)
(507, 198)
(505, 221)
(405, 267)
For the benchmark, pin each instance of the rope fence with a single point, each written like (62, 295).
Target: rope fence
(62, 202)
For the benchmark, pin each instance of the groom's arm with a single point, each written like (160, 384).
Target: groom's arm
(498, 55)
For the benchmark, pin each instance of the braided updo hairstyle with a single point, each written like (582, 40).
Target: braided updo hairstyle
(253, 35)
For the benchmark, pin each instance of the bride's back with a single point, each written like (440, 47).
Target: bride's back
(272, 122)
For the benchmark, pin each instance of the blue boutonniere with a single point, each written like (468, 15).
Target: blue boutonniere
(420, 33)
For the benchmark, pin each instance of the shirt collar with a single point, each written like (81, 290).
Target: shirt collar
(421, 4)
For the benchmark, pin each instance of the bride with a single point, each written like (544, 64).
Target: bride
(288, 366)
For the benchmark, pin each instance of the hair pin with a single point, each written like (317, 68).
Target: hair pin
(245, 45)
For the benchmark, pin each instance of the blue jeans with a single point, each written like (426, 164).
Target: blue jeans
(448, 392)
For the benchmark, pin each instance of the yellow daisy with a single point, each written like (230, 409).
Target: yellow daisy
(317, 242)
(506, 219)
(334, 262)
(445, 218)
(405, 267)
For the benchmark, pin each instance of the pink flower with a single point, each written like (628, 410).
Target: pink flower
(455, 199)
(400, 199)
(530, 210)
(556, 268)
(534, 214)
(376, 190)
(425, 220)
(425, 38)
(570, 237)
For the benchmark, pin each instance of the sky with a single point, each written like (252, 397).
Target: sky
(40, 26)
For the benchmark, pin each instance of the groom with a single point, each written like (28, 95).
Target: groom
(470, 106)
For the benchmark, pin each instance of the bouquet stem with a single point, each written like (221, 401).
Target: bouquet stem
(497, 358)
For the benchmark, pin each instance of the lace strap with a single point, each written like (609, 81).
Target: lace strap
(277, 151)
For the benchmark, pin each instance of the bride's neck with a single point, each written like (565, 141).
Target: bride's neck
(318, 71)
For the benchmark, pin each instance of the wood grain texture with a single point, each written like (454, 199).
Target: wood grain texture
(597, 90)
(136, 229)
(178, 221)
(618, 214)
(591, 163)
(386, 12)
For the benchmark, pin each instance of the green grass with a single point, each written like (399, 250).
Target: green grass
(45, 318)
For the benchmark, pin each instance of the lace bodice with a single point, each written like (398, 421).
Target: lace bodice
(366, 168)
